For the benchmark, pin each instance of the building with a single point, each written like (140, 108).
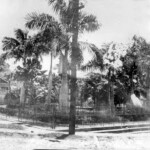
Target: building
(4, 88)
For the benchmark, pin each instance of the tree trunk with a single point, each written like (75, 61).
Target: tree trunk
(112, 98)
(23, 88)
(63, 95)
(22, 94)
(48, 101)
(73, 92)
(148, 86)
(9, 91)
(111, 93)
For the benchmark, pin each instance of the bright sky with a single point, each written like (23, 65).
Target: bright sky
(120, 19)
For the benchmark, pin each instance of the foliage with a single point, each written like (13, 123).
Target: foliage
(38, 89)
(19, 47)
(4, 67)
(66, 12)
(11, 99)
(128, 66)
(134, 113)
(132, 75)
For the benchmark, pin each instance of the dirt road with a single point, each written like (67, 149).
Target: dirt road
(14, 136)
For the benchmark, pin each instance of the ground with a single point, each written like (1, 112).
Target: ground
(20, 136)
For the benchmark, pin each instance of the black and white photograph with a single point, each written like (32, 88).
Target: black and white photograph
(74, 74)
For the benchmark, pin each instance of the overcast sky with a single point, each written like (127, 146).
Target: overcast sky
(120, 19)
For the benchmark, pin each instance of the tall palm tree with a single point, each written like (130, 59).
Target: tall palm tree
(49, 31)
(75, 53)
(67, 13)
(74, 22)
(87, 23)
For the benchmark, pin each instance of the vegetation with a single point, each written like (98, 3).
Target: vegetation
(115, 72)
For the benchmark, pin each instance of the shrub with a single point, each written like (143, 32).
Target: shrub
(135, 113)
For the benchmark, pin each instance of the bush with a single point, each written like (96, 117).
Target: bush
(135, 113)
(11, 99)
(11, 112)
(105, 119)
(43, 118)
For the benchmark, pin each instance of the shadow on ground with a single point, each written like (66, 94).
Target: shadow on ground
(127, 130)
(62, 137)
(51, 149)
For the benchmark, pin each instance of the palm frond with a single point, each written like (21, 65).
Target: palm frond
(88, 23)
(9, 55)
(40, 21)
(21, 35)
(28, 47)
(9, 43)
(40, 49)
(59, 6)
(92, 49)
(93, 65)
(97, 57)
(4, 56)
(65, 10)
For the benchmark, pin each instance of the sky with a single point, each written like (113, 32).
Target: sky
(119, 19)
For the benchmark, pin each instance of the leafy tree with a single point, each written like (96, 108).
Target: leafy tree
(128, 76)
(108, 61)
(38, 89)
(142, 51)
(134, 73)
(95, 86)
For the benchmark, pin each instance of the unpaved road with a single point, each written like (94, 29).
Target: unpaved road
(19, 137)
(78, 143)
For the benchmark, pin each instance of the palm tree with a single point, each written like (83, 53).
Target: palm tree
(25, 49)
(18, 48)
(44, 22)
(74, 22)
(67, 12)
(74, 56)
(49, 31)
(64, 89)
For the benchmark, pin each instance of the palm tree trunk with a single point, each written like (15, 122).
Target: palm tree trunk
(48, 101)
(9, 91)
(73, 93)
(23, 88)
(22, 94)
(63, 95)
(148, 86)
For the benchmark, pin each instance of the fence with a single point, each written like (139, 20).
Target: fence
(53, 115)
